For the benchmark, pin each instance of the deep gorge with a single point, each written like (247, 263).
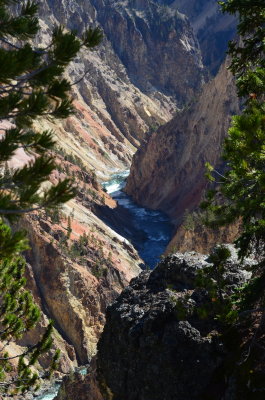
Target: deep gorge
(153, 107)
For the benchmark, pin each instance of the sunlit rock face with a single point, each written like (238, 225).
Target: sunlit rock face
(168, 172)
(148, 64)
(77, 267)
(201, 238)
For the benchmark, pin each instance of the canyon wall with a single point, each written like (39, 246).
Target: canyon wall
(77, 266)
(167, 172)
(132, 82)
(157, 46)
(212, 28)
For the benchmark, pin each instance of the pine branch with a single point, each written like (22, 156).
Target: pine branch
(82, 77)
(25, 353)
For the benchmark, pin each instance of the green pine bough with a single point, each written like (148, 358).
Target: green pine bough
(32, 86)
(239, 191)
(242, 186)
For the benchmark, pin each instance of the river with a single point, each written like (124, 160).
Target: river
(154, 228)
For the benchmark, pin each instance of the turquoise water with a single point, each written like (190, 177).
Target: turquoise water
(50, 394)
(154, 227)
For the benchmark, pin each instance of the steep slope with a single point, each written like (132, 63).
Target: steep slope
(149, 64)
(212, 28)
(78, 264)
(149, 38)
(167, 173)
(133, 80)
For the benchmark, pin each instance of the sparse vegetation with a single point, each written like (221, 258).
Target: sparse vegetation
(87, 251)
(195, 219)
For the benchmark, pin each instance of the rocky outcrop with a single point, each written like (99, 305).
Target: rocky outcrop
(168, 172)
(151, 350)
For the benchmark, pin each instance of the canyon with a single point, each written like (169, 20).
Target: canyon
(117, 110)
(156, 97)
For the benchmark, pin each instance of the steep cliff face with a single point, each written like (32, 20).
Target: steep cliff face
(149, 63)
(68, 359)
(212, 28)
(75, 294)
(78, 265)
(156, 44)
(167, 173)
(148, 60)
(113, 115)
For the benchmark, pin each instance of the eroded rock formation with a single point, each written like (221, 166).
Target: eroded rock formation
(200, 238)
(148, 62)
(167, 173)
(78, 265)
(130, 87)
(156, 44)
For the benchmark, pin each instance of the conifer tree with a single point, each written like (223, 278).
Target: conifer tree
(242, 186)
(32, 86)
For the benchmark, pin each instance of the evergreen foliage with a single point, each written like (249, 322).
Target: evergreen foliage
(241, 188)
(243, 183)
(212, 278)
(32, 85)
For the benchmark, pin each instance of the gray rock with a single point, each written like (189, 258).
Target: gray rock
(146, 352)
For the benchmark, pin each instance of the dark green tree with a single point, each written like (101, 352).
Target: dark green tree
(242, 185)
(32, 86)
